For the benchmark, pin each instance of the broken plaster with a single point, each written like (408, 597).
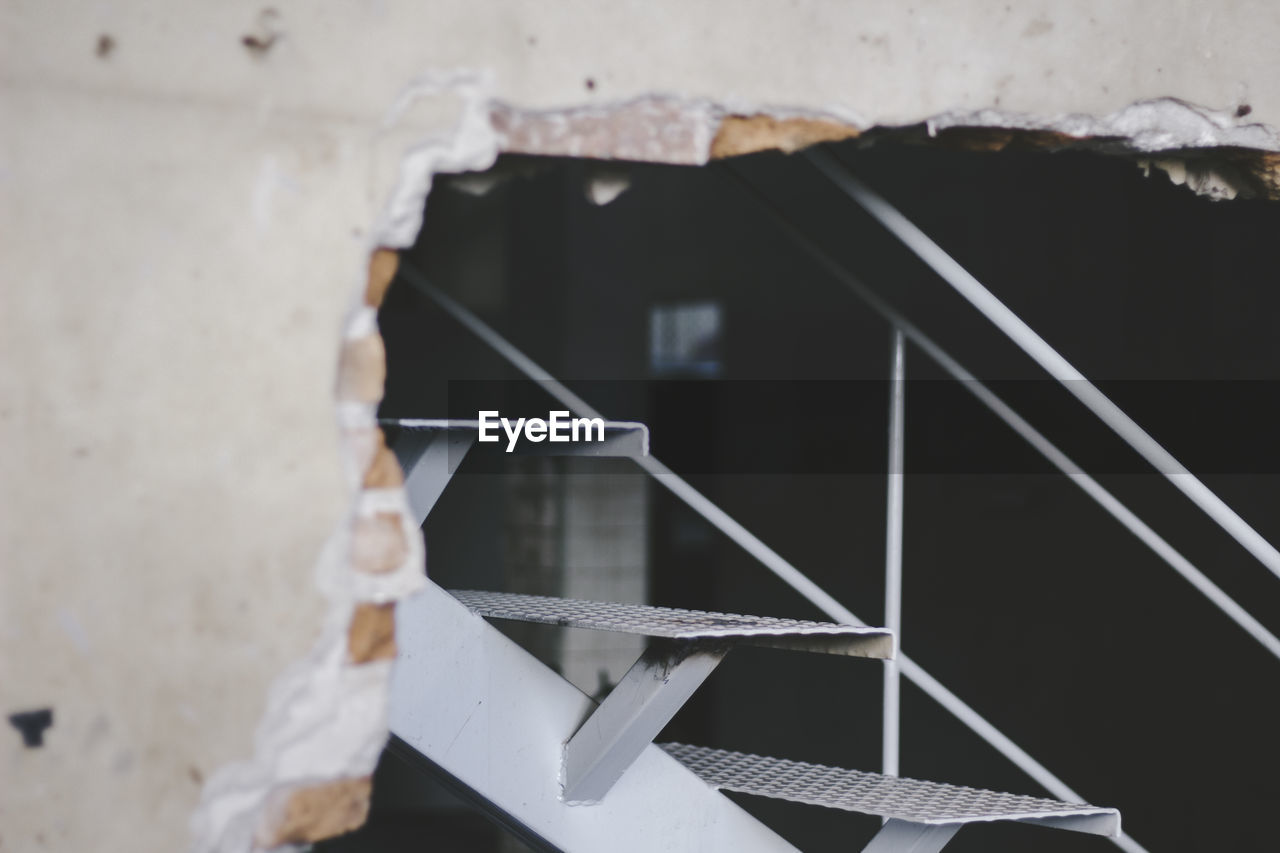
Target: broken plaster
(1160, 124)
(471, 147)
(1221, 155)
(326, 719)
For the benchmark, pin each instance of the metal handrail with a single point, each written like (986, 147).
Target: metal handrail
(1047, 357)
(754, 546)
(1184, 567)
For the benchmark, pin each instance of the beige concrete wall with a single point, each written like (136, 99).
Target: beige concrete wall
(188, 197)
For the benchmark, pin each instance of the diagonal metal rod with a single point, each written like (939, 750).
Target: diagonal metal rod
(1060, 460)
(1048, 358)
(660, 472)
(753, 545)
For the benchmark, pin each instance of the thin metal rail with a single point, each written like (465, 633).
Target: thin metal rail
(1048, 358)
(1121, 513)
(752, 544)
(893, 553)
(660, 472)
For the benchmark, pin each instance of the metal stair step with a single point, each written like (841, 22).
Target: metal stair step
(684, 625)
(691, 643)
(893, 797)
(430, 451)
(625, 439)
(485, 714)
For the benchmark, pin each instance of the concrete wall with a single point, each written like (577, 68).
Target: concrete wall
(189, 194)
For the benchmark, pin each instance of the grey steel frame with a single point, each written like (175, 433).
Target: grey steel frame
(901, 836)
(1042, 353)
(437, 695)
(689, 645)
(630, 717)
(493, 719)
(754, 546)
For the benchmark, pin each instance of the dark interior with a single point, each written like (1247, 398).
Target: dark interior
(1020, 594)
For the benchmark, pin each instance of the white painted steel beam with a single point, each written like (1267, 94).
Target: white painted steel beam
(900, 836)
(690, 645)
(429, 459)
(747, 540)
(631, 716)
(494, 718)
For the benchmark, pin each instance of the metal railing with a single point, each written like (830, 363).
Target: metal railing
(893, 547)
(903, 331)
(1030, 434)
(1048, 358)
(754, 546)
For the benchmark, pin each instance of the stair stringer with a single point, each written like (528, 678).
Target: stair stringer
(494, 717)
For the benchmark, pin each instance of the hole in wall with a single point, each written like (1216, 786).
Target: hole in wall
(1135, 280)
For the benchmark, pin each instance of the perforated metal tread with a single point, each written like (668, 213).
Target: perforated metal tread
(621, 438)
(886, 796)
(675, 624)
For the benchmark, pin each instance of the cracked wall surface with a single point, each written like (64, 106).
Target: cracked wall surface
(201, 533)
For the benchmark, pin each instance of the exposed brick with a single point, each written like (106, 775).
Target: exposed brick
(384, 471)
(383, 264)
(372, 633)
(747, 134)
(319, 812)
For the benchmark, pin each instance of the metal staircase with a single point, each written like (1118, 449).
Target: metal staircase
(567, 773)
